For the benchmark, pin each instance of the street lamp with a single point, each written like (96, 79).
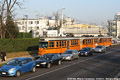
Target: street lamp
(61, 29)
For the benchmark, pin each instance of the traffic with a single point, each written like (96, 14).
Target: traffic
(18, 66)
(55, 51)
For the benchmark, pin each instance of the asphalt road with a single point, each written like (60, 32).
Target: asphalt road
(101, 65)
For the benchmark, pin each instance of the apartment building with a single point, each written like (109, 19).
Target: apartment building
(114, 26)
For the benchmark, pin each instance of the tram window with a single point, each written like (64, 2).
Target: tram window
(51, 44)
(65, 43)
(90, 40)
(83, 41)
(100, 40)
(86, 41)
(77, 42)
(57, 43)
(60, 43)
(43, 44)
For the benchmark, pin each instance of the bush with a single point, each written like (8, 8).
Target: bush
(24, 35)
(15, 45)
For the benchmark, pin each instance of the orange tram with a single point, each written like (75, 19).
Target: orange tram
(60, 44)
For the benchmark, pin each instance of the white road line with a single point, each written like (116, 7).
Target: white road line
(117, 75)
(67, 66)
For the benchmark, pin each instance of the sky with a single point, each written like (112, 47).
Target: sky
(84, 11)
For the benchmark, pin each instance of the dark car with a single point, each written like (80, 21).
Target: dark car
(87, 51)
(17, 66)
(47, 60)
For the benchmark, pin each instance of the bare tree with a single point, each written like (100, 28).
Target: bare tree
(57, 20)
(6, 9)
(2, 10)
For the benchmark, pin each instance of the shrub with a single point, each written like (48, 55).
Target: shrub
(15, 45)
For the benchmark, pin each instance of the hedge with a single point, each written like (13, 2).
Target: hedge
(25, 35)
(15, 45)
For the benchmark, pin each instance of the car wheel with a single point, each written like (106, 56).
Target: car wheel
(33, 69)
(48, 65)
(59, 62)
(18, 74)
(104, 51)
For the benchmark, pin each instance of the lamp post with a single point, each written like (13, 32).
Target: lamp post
(61, 29)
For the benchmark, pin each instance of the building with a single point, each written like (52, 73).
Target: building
(37, 26)
(81, 26)
(114, 26)
(86, 31)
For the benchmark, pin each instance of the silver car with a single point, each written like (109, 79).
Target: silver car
(100, 49)
(70, 55)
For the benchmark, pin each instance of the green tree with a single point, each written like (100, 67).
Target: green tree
(11, 28)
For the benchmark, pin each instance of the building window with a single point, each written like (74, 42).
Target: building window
(30, 22)
(36, 22)
(37, 27)
(23, 27)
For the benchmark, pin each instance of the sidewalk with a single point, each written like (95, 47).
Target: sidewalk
(16, 55)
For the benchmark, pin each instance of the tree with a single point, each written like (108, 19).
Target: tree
(6, 10)
(11, 28)
(57, 19)
(2, 25)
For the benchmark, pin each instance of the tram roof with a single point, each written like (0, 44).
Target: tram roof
(67, 38)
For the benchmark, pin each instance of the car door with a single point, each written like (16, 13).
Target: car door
(76, 54)
(24, 67)
(29, 64)
(55, 58)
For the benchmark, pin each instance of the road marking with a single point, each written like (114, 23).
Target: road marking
(118, 75)
(68, 66)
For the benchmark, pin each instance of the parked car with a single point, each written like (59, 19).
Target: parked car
(87, 51)
(47, 60)
(100, 49)
(70, 55)
(17, 66)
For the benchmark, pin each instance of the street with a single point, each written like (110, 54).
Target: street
(101, 65)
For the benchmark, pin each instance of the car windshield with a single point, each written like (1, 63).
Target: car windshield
(99, 46)
(43, 44)
(84, 49)
(14, 62)
(67, 52)
(45, 57)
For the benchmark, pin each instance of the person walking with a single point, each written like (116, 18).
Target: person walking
(3, 55)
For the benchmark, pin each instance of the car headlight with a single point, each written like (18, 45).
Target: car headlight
(85, 52)
(12, 69)
(68, 57)
(100, 50)
(43, 63)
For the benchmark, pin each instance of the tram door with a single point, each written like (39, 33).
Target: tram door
(67, 44)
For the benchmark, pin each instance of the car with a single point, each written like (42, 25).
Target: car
(17, 66)
(87, 51)
(47, 60)
(100, 49)
(70, 55)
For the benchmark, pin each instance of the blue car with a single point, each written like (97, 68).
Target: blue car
(17, 66)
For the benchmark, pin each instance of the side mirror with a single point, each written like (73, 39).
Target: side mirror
(21, 64)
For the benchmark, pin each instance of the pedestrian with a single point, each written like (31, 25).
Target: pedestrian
(3, 55)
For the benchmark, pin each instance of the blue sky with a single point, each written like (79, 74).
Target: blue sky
(89, 11)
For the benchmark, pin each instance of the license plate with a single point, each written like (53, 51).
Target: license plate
(3, 73)
(37, 65)
(81, 53)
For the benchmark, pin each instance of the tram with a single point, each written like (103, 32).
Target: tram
(60, 44)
